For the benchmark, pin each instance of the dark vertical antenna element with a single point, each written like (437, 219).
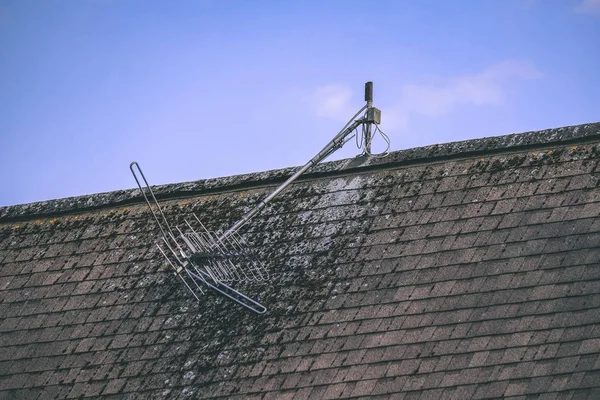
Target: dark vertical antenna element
(367, 135)
(203, 258)
(369, 94)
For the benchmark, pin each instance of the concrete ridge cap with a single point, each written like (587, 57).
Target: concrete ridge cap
(428, 153)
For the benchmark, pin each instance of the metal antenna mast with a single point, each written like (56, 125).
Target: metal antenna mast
(202, 258)
(372, 116)
(367, 128)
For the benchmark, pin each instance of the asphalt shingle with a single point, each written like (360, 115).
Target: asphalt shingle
(465, 270)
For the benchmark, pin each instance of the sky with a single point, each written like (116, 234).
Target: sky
(210, 88)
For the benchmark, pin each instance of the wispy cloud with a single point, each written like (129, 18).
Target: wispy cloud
(589, 7)
(486, 87)
(332, 101)
(492, 86)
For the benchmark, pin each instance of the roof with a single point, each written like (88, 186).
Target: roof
(461, 270)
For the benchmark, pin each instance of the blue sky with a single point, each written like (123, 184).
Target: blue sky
(201, 89)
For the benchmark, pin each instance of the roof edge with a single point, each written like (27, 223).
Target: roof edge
(437, 152)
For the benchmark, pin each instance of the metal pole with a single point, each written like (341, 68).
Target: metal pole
(333, 145)
(367, 133)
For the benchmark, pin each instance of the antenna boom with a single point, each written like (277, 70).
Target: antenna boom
(201, 258)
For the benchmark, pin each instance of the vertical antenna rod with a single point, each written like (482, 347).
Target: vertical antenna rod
(369, 94)
(367, 128)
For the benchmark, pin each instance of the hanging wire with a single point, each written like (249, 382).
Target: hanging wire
(359, 138)
(347, 139)
(360, 142)
(354, 117)
(386, 138)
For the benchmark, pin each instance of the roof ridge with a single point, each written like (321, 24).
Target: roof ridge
(436, 152)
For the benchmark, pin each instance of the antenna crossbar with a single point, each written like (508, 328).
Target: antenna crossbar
(200, 258)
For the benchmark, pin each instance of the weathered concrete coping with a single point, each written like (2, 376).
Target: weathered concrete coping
(489, 145)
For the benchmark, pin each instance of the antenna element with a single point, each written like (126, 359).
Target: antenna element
(205, 259)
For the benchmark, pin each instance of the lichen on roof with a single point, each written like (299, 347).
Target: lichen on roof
(463, 270)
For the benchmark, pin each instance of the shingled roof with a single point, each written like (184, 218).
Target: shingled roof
(455, 271)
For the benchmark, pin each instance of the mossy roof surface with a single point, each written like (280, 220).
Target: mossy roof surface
(461, 270)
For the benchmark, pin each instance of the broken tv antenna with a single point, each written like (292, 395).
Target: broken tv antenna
(204, 259)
